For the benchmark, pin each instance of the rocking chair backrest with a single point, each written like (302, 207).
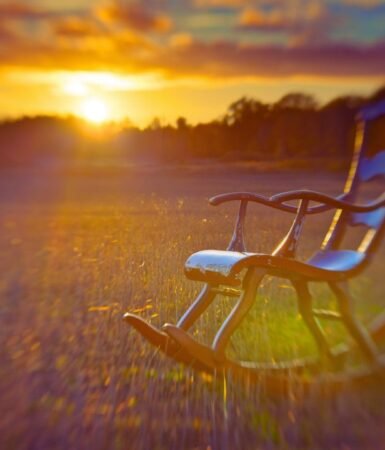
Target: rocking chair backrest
(363, 169)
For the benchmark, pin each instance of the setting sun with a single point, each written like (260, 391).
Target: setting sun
(94, 110)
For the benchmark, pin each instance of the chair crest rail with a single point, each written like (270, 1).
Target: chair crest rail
(278, 201)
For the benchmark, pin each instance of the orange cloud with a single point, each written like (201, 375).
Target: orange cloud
(75, 27)
(21, 11)
(7, 35)
(286, 17)
(181, 40)
(220, 3)
(136, 17)
(216, 60)
(270, 20)
(119, 38)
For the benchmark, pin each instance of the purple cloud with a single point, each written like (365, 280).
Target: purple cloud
(226, 59)
(22, 11)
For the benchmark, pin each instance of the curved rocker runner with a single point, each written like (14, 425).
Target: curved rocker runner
(237, 273)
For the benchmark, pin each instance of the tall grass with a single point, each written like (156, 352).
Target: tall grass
(78, 250)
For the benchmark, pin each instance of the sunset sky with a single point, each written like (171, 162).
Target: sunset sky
(167, 58)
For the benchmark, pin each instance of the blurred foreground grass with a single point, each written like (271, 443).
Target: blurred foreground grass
(79, 249)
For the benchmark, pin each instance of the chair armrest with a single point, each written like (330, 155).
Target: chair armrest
(288, 245)
(275, 201)
(328, 201)
(250, 197)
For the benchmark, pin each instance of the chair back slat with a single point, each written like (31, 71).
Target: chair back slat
(372, 219)
(370, 168)
(363, 169)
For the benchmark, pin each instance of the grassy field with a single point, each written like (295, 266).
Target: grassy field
(80, 247)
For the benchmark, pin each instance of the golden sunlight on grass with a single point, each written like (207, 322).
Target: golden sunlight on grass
(73, 375)
(95, 110)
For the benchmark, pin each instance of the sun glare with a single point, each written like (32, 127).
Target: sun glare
(94, 110)
(75, 88)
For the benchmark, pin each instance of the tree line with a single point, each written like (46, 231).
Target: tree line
(295, 127)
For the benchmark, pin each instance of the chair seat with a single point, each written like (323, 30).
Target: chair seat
(222, 266)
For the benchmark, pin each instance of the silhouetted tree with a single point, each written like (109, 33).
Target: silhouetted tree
(298, 101)
(181, 123)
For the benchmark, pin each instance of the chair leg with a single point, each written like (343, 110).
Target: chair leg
(245, 302)
(201, 303)
(358, 332)
(305, 307)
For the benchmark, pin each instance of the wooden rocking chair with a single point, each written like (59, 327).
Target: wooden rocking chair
(238, 273)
